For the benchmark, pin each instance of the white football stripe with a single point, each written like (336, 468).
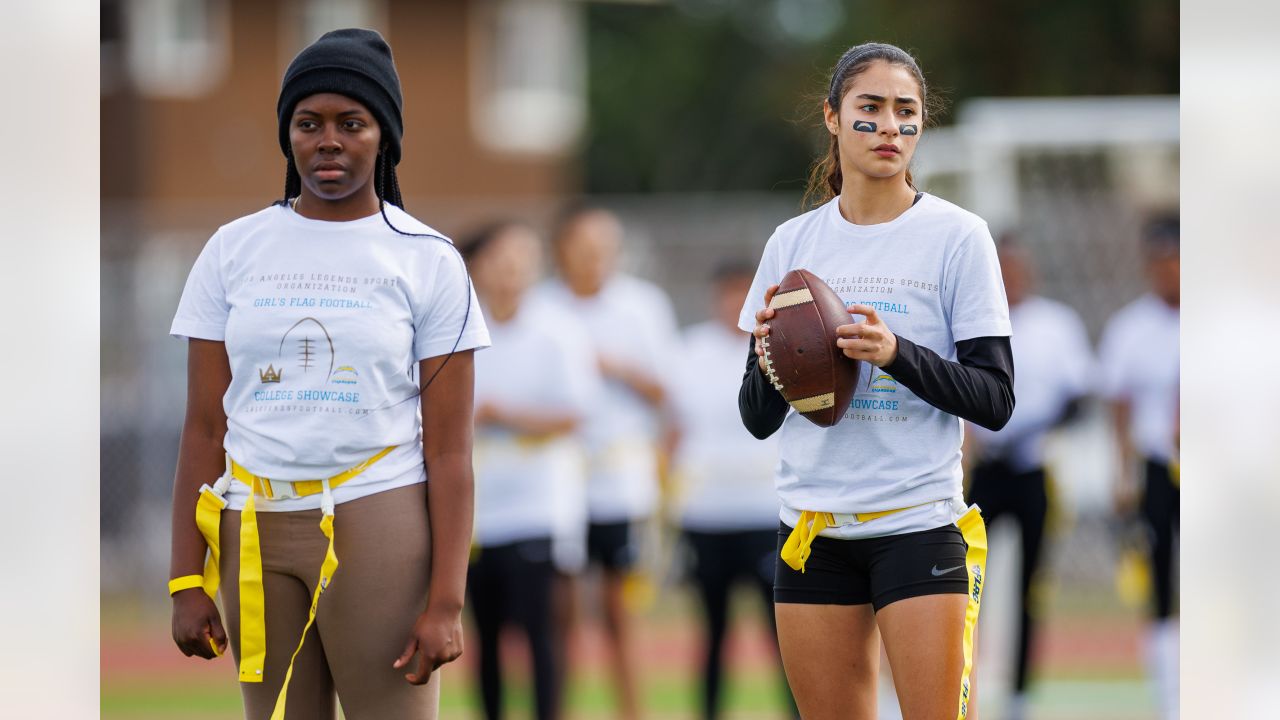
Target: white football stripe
(794, 297)
(817, 402)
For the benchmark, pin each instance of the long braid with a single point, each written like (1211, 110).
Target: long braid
(292, 181)
(378, 172)
(385, 184)
(394, 182)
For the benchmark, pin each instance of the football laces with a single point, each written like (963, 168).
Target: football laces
(768, 364)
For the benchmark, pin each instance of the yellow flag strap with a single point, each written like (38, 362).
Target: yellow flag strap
(796, 550)
(327, 569)
(209, 507)
(974, 532)
(253, 621)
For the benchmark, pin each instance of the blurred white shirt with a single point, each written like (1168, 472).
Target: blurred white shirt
(1139, 354)
(1052, 364)
(630, 321)
(527, 487)
(726, 475)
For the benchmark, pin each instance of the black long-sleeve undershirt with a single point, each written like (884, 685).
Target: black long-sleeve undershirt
(977, 386)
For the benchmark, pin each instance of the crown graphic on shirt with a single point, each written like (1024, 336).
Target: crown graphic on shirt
(270, 375)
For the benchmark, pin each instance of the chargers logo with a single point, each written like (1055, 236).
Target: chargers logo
(881, 382)
(345, 375)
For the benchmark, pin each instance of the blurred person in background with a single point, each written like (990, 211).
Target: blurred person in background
(329, 378)
(875, 540)
(533, 388)
(632, 327)
(728, 507)
(1140, 370)
(1008, 478)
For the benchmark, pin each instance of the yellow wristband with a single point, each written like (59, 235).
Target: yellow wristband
(186, 582)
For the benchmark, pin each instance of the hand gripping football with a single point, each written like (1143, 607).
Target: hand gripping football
(800, 353)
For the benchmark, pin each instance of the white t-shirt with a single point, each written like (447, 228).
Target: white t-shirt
(1053, 362)
(629, 321)
(933, 278)
(529, 487)
(1139, 356)
(726, 474)
(324, 324)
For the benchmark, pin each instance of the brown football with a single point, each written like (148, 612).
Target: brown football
(800, 353)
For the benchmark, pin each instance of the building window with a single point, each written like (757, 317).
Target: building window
(304, 21)
(178, 48)
(528, 75)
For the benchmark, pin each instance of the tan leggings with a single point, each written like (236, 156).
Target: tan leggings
(383, 543)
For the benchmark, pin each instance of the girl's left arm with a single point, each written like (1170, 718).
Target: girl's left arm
(446, 449)
(977, 386)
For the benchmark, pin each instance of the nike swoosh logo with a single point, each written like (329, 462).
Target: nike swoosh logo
(936, 572)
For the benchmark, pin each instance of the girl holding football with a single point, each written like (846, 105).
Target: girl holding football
(875, 539)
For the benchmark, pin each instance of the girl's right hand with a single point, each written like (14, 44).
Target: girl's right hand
(763, 316)
(197, 626)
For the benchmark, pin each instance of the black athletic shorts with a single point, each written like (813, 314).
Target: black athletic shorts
(879, 570)
(613, 545)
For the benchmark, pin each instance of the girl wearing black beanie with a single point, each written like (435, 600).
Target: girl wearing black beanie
(330, 377)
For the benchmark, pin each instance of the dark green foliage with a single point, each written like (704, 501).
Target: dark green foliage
(711, 95)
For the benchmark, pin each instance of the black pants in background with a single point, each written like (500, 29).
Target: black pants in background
(1160, 509)
(511, 584)
(720, 559)
(998, 490)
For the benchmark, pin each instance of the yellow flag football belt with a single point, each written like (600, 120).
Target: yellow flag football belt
(796, 550)
(253, 627)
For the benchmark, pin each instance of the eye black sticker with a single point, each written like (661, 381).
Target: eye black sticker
(864, 126)
(909, 129)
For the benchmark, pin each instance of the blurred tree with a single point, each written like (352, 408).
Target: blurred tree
(721, 95)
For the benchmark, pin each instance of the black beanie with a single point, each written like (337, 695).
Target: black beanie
(352, 62)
